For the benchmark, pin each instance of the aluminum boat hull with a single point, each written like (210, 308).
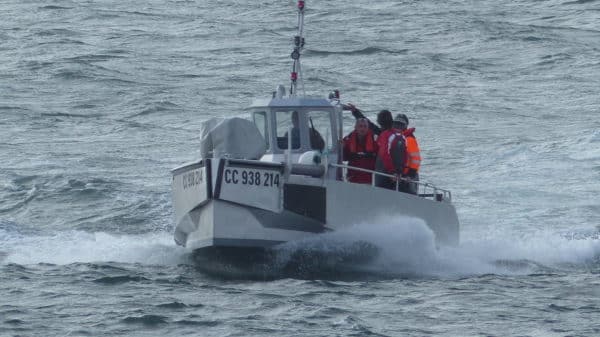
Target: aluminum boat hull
(216, 212)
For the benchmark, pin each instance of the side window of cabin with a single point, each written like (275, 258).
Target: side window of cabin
(319, 124)
(287, 121)
(260, 119)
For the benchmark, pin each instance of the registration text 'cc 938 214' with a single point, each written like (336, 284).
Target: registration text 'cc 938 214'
(192, 178)
(250, 177)
(254, 187)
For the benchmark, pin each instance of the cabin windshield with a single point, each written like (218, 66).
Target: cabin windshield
(260, 119)
(320, 130)
(308, 129)
(288, 121)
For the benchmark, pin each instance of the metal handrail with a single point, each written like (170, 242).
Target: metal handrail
(424, 186)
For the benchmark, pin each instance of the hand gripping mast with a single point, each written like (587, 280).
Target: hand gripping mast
(298, 45)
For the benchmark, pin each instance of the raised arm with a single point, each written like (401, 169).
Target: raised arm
(358, 114)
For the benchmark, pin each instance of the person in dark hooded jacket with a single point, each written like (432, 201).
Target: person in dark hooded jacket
(391, 155)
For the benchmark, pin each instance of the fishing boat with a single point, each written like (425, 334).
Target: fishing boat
(279, 177)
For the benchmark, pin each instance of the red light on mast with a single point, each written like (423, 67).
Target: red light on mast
(300, 4)
(294, 76)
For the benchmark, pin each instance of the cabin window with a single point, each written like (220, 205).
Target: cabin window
(260, 119)
(319, 124)
(288, 121)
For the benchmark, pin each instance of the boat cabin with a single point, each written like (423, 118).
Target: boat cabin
(301, 124)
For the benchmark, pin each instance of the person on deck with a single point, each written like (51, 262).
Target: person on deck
(295, 130)
(316, 140)
(413, 154)
(391, 154)
(360, 150)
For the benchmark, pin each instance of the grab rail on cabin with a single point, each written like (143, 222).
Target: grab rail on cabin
(424, 189)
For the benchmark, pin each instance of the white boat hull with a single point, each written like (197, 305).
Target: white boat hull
(216, 207)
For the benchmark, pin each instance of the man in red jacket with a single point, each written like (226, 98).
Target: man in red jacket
(360, 150)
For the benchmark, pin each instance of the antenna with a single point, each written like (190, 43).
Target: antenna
(298, 45)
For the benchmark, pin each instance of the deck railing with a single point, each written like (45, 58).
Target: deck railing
(423, 189)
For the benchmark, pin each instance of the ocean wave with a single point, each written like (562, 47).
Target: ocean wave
(150, 320)
(57, 32)
(402, 247)
(176, 305)
(64, 42)
(69, 115)
(113, 280)
(157, 107)
(550, 60)
(21, 190)
(50, 7)
(24, 189)
(192, 75)
(76, 246)
(322, 81)
(188, 322)
(363, 51)
(85, 106)
(578, 2)
(73, 74)
(584, 148)
(7, 108)
(90, 58)
(35, 65)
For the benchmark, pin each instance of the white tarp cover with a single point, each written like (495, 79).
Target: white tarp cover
(234, 137)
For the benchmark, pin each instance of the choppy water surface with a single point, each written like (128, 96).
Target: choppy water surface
(99, 100)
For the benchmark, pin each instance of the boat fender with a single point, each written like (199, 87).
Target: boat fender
(310, 158)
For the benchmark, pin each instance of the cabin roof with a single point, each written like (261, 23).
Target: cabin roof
(292, 102)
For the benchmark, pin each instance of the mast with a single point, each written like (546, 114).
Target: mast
(298, 45)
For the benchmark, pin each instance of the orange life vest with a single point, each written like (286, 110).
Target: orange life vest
(413, 160)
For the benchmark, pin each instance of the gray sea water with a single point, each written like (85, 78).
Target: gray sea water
(100, 99)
